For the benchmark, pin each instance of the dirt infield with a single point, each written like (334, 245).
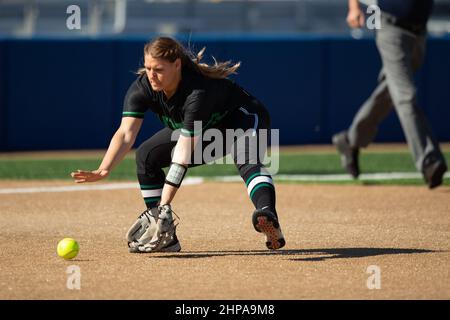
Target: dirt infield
(333, 233)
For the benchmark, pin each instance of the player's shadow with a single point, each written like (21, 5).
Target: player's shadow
(295, 255)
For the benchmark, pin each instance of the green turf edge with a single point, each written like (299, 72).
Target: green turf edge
(291, 163)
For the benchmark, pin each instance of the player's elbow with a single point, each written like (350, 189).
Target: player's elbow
(126, 137)
(129, 137)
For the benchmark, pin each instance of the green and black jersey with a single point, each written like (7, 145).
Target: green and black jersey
(197, 98)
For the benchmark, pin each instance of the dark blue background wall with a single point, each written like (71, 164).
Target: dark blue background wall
(68, 94)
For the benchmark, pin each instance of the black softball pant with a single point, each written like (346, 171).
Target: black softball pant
(245, 147)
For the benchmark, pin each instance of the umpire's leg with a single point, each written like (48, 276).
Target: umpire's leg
(365, 124)
(402, 53)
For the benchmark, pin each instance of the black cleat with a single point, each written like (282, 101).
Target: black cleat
(266, 222)
(349, 155)
(433, 172)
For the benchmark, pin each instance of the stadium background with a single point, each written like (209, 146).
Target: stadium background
(312, 80)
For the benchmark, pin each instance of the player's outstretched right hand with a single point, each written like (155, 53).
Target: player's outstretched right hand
(81, 176)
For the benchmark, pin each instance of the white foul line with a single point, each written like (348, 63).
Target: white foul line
(199, 180)
(334, 177)
(346, 177)
(88, 187)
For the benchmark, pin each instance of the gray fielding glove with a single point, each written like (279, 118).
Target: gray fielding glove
(164, 233)
(145, 223)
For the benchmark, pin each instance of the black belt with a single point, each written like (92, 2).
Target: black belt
(416, 28)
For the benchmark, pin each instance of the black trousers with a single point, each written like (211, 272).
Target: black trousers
(245, 134)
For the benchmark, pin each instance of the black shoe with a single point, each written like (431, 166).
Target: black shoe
(433, 172)
(266, 222)
(349, 155)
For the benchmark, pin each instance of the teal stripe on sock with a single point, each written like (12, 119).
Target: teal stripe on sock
(153, 199)
(263, 184)
(151, 186)
(254, 176)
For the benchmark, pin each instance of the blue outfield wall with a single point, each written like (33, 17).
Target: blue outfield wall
(68, 94)
(3, 115)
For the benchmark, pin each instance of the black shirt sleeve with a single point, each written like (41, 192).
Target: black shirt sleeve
(137, 101)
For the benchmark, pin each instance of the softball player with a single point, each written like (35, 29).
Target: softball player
(183, 92)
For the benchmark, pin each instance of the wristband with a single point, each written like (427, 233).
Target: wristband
(176, 174)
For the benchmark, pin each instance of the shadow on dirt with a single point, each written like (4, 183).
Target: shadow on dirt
(295, 255)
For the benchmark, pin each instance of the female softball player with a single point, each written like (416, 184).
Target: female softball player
(188, 97)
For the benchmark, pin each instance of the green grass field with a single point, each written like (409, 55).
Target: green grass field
(290, 163)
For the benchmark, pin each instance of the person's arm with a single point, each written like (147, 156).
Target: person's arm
(355, 16)
(181, 157)
(120, 144)
(195, 111)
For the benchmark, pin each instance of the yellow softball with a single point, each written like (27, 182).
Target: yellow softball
(67, 248)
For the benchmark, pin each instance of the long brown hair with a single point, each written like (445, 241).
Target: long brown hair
(170, 50)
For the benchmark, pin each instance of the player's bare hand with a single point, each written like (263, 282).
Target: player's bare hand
(81, 176)
(355, 18)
